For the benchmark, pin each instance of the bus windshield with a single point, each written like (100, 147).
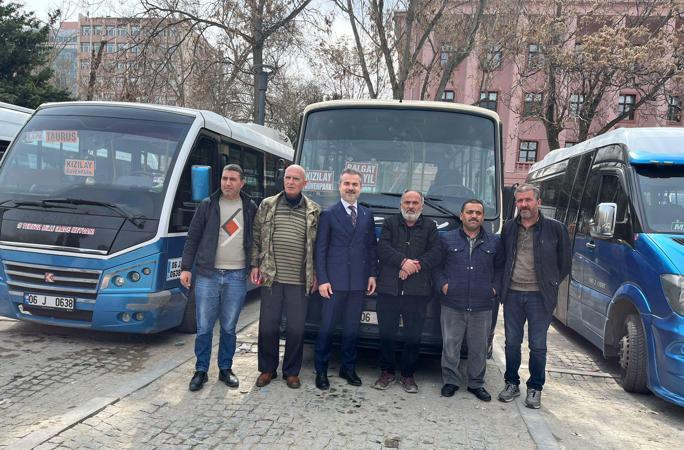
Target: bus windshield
(662, 195)
(448, 156)
(121, 161)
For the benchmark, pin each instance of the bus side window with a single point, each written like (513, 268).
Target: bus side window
(578, 188)
(204, 153)
(589, 202)
(253, 166)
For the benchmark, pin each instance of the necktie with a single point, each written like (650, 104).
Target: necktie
(352, 208)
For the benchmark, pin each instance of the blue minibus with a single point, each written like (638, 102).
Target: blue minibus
(621, 195)
(95, 203)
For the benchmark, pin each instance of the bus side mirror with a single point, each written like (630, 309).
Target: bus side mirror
(603, 223)
(200, 179)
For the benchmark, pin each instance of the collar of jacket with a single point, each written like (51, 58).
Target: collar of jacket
(481, 236)
(245, 197)
(538, 222)
(418, 223)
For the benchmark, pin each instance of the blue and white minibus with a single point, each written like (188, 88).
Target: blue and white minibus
(450, 152)
(621, 195)
(95, 202)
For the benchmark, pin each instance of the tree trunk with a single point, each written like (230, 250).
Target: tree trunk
(95, 61)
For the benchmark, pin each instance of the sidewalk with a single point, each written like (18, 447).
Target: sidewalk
(166, 415)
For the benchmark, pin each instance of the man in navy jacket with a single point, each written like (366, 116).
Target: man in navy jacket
(346, 264)
(469, 283)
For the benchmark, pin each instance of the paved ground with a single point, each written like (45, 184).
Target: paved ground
(66, 389)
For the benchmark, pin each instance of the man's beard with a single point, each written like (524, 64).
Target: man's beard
(410, 217)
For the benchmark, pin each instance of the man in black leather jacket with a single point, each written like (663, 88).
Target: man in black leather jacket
(408, 251)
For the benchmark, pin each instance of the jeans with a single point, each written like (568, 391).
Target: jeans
(219, 296)
(521, 306)
(412, 311)
(349, 305)
(473, 326)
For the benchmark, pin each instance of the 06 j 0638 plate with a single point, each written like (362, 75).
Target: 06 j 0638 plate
(50, 301)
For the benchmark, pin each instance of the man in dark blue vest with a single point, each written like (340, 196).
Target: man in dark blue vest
(346, 264)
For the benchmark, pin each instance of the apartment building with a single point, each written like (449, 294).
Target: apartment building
(134, 59)
(494, 77)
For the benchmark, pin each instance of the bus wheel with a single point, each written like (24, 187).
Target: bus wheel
(189, 322)
(632, 356)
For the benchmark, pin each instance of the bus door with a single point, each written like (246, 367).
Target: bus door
(604, 261)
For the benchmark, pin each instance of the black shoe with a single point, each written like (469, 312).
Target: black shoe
(351, 377)
(322, 382)
(198, 379)
(480, 393)
(228, 377)
(448, 390)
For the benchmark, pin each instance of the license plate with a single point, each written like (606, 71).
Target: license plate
(369, 317)
(49, 301)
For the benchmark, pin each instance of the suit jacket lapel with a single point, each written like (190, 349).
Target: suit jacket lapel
(344, 219)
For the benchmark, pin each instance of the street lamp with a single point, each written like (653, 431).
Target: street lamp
(262, 72)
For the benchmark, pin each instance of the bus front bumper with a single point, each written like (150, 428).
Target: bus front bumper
(128, 313)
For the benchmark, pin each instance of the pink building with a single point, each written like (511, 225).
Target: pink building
(503, 90)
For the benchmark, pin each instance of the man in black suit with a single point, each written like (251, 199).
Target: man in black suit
(346, 264)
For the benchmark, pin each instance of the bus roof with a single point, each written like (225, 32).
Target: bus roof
(12, 118)
(403, 104)
(256, 136)
(644, 146)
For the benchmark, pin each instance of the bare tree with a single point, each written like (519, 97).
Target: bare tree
(398, 32)
(255, 24)
(587, 55)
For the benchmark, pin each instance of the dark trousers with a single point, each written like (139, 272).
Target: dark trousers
(519, 307)
(347, 305)
(293, 297)
(412, 311)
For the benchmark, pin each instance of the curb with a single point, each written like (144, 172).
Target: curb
(535, 422)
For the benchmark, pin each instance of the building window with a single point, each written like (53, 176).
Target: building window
(674, 108)
(85, 30)
(448, 96)
(527, 152)
(493, 58)
(97, 30)
(85, 47)
(488, 100)
(85, 64)
(121, 31)
(111, 48)
(576, 101)
(533, 104)
(111, 31)
(534, 55)
(443, 58)
(626, 105)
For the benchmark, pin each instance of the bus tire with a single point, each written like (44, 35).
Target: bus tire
(632, 356)
(189, 322)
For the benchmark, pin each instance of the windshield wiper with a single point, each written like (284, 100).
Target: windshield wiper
(138, 220)
(38, 204)
(430, 201)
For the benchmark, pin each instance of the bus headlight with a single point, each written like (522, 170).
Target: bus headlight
(673, 287)
(119, 281)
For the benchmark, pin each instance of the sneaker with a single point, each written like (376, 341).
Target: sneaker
(385, 380)
(533, 399)
(409, 384)
(510, 392)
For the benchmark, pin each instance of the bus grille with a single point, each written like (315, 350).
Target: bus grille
(52, 280)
